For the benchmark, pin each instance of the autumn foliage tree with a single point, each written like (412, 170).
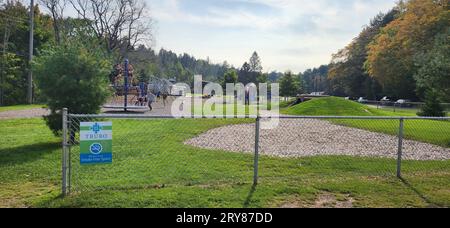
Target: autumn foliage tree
(391, 56)
(346, 74)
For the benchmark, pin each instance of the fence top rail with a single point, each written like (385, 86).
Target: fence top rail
(140, 116)
(362, 117)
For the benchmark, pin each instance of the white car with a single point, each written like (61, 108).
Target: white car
(385, 99)
(404, 103)
(362, 100)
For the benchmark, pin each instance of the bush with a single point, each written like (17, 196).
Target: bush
(432, 107)
(72, 77)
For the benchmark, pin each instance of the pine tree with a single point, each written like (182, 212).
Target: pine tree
(432, 107)
(255, 63)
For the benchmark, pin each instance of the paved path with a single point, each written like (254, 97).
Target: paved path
(27, 113)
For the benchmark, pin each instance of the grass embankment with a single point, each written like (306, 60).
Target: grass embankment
(430, 131)
(151, 156)
(19, 107)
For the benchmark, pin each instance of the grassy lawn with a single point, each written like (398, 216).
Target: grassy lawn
(19, 107)
(430, 131)
(154, 168)
(333, 106)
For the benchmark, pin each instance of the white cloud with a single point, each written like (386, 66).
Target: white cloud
(227, 32)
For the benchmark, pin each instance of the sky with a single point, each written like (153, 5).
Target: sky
(287, 34)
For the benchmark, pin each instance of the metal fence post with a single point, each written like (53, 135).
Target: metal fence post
(400, 147)
(69, 156)
(256, 162)
(126, 85)
(64, 152)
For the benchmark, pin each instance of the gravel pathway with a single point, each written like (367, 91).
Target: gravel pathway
(28, 113)
(303, 138)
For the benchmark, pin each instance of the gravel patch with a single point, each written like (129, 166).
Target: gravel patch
(21, 114)
(304, 138)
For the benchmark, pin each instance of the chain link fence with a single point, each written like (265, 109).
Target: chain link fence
(338, 148)
(153, 152)
(403, 106)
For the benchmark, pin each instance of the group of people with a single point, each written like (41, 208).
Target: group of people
(148, 94)
(151, 98)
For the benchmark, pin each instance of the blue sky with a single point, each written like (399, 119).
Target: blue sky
(287, 34)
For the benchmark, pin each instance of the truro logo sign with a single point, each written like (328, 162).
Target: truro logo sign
(95, 143)
(210, 100)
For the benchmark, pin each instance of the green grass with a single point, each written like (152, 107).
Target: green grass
(19, 107)
(154, 168)
(334, 106)
(429, 131)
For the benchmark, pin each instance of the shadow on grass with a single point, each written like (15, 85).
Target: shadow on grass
(51, 201)
(250, 196)
(419, 193)
(27, 153)
(129, 112)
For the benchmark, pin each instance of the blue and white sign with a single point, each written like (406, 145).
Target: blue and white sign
(95, 143)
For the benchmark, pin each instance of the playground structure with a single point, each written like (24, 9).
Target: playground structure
(130, 94)
(126, 96)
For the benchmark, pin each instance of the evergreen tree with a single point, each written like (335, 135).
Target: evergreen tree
(255, 63)
(432, 107)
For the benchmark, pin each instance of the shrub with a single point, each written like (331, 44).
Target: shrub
(72, 77)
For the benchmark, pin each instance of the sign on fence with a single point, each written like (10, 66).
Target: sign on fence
(95, 143)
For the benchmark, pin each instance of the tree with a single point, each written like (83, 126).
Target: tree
(255, 63)
(434, 67)
(251, 71)
(230, 77)
(391, 55)
(432, 107)
(315, 80)
(263, 78)
(72, 77)
(14, 35)
(347, 74)
(56, 9)
(289, 86)
(245, 74)
(118, 24)
(9, 82)
(274, 76)
(182, 67)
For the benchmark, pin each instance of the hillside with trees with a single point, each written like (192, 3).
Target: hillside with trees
(166, 64)
(402, 54)
(116, 34)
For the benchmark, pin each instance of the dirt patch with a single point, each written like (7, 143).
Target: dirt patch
(329, 200)
(323, 200)
(293, 204)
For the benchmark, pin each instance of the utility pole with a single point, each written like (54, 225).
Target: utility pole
(5, 39)
(30, 71)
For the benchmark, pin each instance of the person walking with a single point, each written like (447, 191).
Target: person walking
(151, 98)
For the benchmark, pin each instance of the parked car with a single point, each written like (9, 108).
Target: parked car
(385, 99)
(362, 100)
(403, 103)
